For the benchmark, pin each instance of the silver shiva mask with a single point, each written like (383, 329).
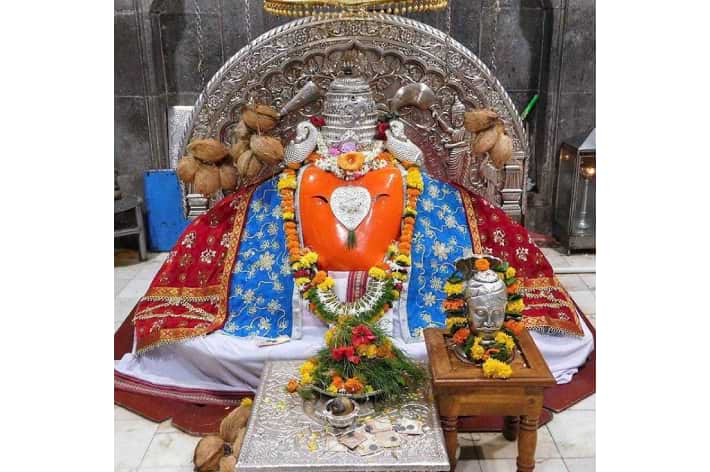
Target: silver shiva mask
(486, 296)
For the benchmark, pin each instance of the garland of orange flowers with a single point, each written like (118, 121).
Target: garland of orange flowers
(386, 278)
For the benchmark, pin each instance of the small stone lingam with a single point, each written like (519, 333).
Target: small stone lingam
(486, 297)
(341, 412)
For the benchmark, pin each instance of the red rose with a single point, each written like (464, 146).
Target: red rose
(317, 121)
(362, 335)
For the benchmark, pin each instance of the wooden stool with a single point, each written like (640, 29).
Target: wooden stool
(462, 390)
(133, 204)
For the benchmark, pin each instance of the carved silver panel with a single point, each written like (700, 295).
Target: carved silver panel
(390, 51)
(286, 433)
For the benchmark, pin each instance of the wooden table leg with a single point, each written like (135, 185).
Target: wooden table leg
(527, 442)
(449, 425)
(510, 427)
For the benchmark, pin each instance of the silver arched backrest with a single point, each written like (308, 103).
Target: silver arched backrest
(390, 51)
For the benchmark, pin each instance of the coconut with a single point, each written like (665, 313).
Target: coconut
(186, 168)
(228, 176)
(478, 120)
(207, 179)
(208, 453)
(502, 151)
(209, 150)
(238, 148)
(267, 149)
(485, 140)
(248, 165)
(241, 131)
(260, 118)
(227, 464)
(233, 422)
(237, 444)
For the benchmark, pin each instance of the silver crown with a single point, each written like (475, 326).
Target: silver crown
(349, 111)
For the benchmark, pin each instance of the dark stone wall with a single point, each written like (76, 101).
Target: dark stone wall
(533, 46)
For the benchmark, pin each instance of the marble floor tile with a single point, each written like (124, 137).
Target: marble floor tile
(582, 260)
(468, 466)
(590, 280)
(131, 441)
(119, 283)
(508, 465)
(572, 282)
(121, 414)
(148, 270)
(587, 464)
(588, 403)
(574, 433)
(170, 450)
(495, 446)
(135, 288)
(122, 307)
(126, 272)
(586, 300)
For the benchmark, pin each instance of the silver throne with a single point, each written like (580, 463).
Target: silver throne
(390, 51)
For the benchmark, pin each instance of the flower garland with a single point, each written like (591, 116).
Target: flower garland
(494, 360)
(386, 278)
(358, 359)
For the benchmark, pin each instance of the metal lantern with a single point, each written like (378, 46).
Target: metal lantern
(575, 209)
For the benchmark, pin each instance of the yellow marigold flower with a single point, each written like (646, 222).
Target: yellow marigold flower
(493, 368)
(455, 320)
(502, 338)
(409, 211)
(371, 351)
(477, 352)
(414, 179)
(392, 249)
(329, 336)
(399, 276)
(300, 281)
(510, 273)
(246, 402)
(516, 306)
(287, 182)
(308, 259)
(395, 294)
(296, 266)
(342, 319)
(307, 378)
(326, 285)
(401, 259)
(288, 216)
(307, 367)
(332, 388)
(453, 289)
(377, 273)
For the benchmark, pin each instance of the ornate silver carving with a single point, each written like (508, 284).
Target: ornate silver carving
(350, 205)
(303, 144)
(283, 433)
(349, 111)
(400, 145)
(391, 52)
(419, 95)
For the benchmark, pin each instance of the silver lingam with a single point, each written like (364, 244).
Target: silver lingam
(486, 297)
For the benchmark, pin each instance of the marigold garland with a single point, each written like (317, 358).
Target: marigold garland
(387, 277)
(358, 357)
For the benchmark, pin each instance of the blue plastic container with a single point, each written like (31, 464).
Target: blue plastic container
(164, 212)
